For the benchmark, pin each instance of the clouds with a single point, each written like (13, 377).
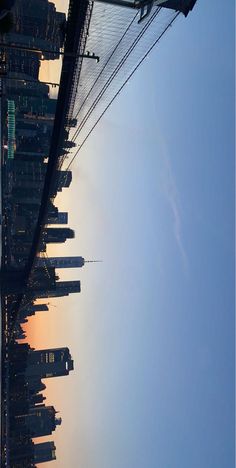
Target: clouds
(171, 193)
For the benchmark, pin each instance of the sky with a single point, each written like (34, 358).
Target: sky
(152, 332)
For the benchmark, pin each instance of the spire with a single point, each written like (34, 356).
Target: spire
(93, 261)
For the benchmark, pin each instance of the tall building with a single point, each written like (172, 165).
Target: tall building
(62, 262)
(40, 421)
(63, 179)
(20, 61)
(36, 26)
(41, 30)
(38, 307)
(63, 288)
(47, 363)
(44, 452)
(67, 287)
(30, 310)
(35, 89)
(36, 399)
(28, 171)
(57, 235)
(57, 217)
(32, 106)
(33, 137)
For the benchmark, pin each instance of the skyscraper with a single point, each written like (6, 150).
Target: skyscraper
(63, 179)
(38, 307)
(44, 452)
(63, 288)
(58, 235)
(41, 31)
(40, 421)
(47, 363)
(57, 218)
(62, 262)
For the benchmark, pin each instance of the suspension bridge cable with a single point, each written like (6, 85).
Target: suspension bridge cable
(104, 66)
(115, 72)
(121, 87)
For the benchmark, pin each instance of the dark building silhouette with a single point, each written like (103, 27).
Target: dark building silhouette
(43, 280)
(42, 31)
(44, 452)
(63, 179)
(57, 235)
(57, 217)
(62, 262)
(62, 288)
(40, 421)
(49, 363)
(38, 308)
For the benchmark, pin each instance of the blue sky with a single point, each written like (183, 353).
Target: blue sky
(152, 332)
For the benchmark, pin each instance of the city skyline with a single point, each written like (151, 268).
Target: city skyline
(191, 65)
(29, 117)
(151, 334)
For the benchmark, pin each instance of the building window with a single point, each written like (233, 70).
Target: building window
(44, 357)
(51, 357)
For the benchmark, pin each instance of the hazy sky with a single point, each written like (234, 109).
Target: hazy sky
(152, 332)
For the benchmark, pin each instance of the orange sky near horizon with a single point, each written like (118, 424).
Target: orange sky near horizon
(41, 328)
(66, 323)
(49, 71)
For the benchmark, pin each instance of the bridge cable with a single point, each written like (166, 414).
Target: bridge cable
(115, 72)
(121, 87)
(104, 66)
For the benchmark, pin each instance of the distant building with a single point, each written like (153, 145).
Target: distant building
(47, 363)
(38, 307)
(57, 217)
(28, 174)
(44, 452)
(62, 262)
(22, 94)
(43, 32)
(63, 179)
(20, 61)
(40, 421)
(56, 235)
(63, 288)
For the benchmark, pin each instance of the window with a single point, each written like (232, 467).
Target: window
(51, 357)
(44, 358)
